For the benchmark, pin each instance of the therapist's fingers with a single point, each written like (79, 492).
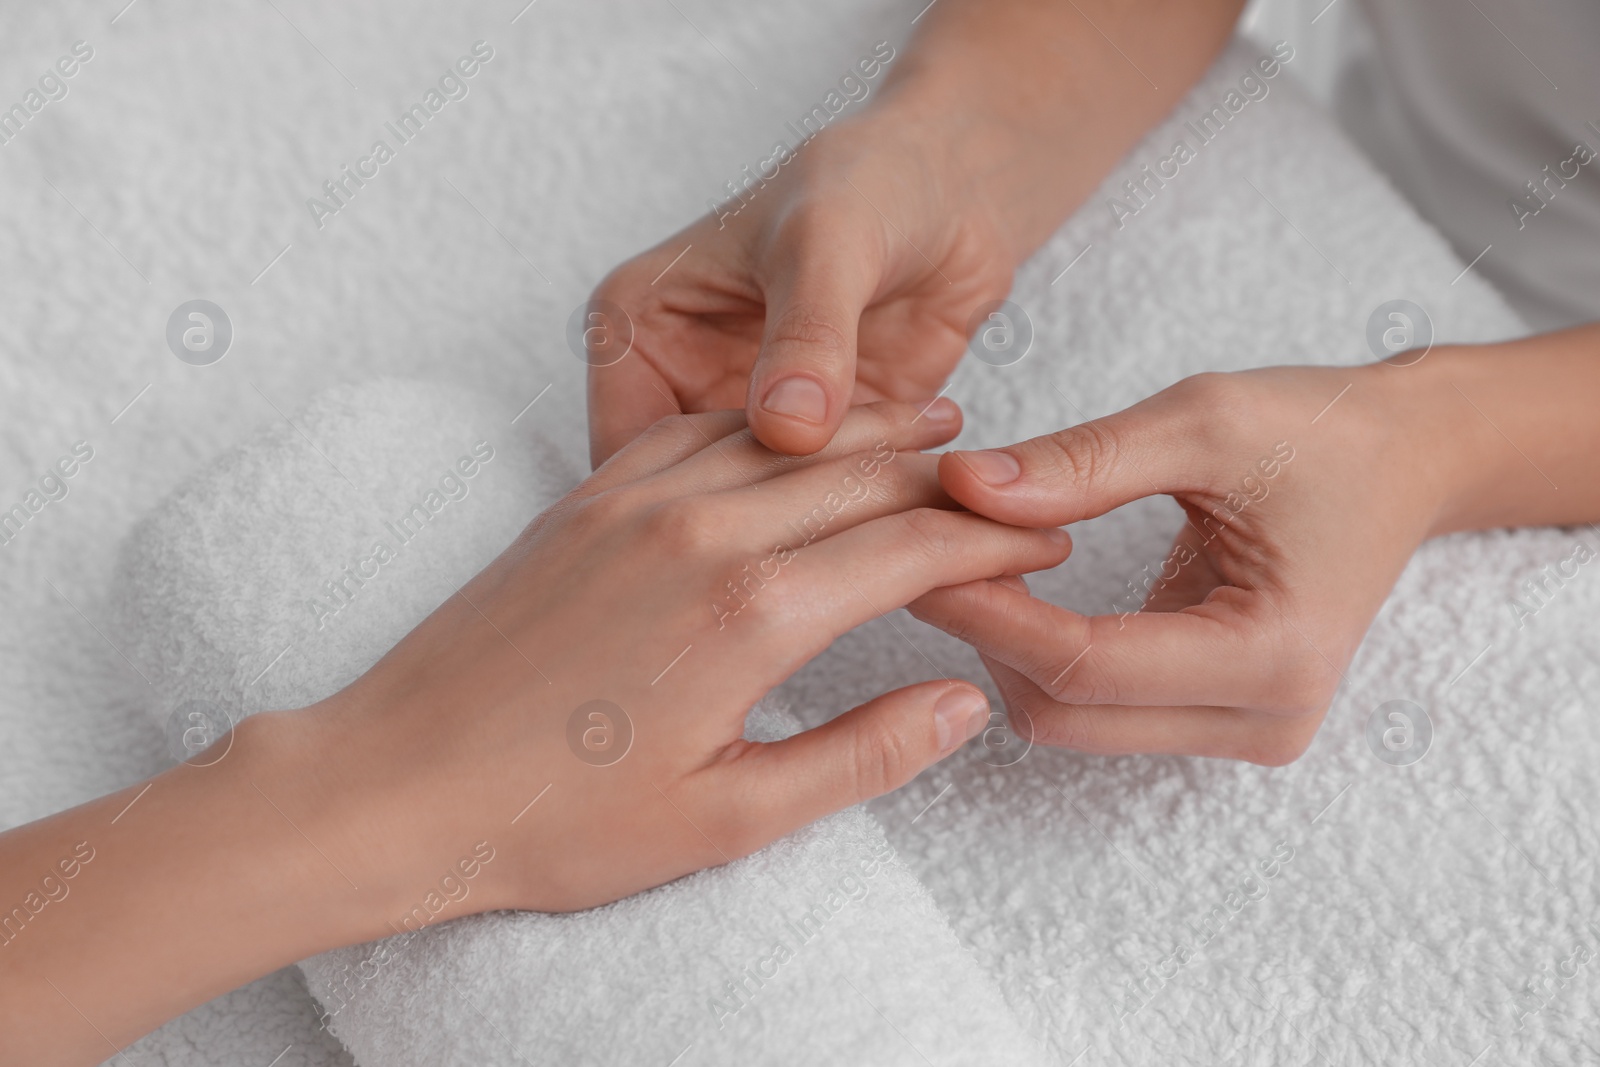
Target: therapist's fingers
(625, 399)
(1118, 730)
(1157, 446)
(1229, 651)
(805, 372)
(627, 393)
(863, 753)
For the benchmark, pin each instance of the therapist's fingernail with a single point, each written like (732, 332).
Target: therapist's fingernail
(797, 398)
(958, 716)
(942, 410)
(994, 468)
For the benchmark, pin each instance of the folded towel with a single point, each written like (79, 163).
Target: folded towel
(1428, 914)
(231, 596)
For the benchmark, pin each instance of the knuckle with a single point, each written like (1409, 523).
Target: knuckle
(670, 429)
(768, 605)
(953, 609)
(1084, 453)
(1080, 728)
(602, 511)
(807, 324)
(687, 526)
(929, 532)
(1073, 673)
(913, 480)
(816, 214)
(883, 760)
(879, 416)
(1088, 683)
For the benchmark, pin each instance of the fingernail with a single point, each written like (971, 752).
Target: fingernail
(797, 398)
(958, 716)
(1058, 535)
(993, 468)
(942, 410)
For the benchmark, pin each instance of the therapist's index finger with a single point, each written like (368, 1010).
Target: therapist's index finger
(1139, 657)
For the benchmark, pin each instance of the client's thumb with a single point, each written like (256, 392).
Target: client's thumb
(867, 751)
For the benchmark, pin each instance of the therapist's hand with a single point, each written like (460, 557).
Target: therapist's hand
(848, 278)
(1299, 521)
(853, 275)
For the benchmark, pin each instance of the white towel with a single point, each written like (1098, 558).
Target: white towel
(822, 948)
(1415, 913)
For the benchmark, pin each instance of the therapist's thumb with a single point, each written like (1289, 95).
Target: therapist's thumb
(805, 373)
(1081, 471)
(868, 751)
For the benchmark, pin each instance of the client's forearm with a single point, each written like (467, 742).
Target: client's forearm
(133, 908)
(1032, 102)
(1518, 428)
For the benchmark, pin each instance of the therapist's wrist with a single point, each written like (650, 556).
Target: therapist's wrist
(1465, 461)
(992, 166)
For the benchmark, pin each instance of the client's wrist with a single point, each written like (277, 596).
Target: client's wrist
(417, 809)
(318, 820)
(367, 828)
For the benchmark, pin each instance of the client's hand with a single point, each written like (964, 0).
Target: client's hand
(563, 731)
(611, 653)
(1303, 506)
(849, 277)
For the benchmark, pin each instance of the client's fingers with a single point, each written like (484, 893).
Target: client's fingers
(1117, 730)
(865, 752)
(880, 428)
(801, 600)
(881, 565)
(666, 442)
(804, 506)
(1214, 653)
